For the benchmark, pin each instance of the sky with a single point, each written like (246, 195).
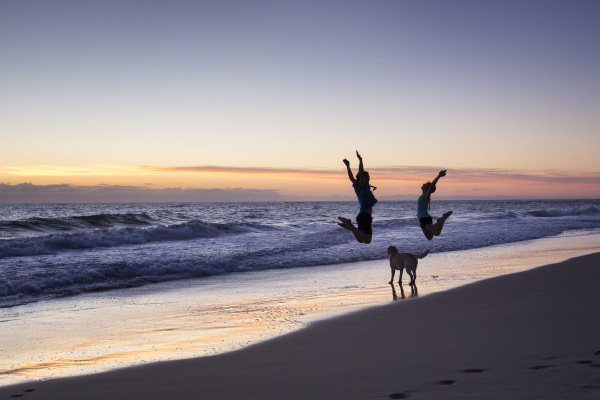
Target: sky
(230, 100)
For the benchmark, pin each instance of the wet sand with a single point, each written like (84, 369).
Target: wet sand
(517, 336)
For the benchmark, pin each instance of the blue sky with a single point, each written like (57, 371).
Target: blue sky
(94, 90)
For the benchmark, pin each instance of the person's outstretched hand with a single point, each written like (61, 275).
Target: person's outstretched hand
(346, 162)
(358, 155)
(442, 173)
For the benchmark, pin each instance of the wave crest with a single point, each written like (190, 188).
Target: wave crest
(114, 237)
(565, 212)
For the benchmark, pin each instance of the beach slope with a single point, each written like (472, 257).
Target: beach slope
(520, 336)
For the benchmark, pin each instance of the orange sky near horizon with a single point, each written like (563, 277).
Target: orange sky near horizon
(305, 182)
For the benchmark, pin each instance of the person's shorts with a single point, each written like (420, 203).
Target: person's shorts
(364, 220)
(425, 221)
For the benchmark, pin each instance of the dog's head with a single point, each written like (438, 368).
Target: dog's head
(391, 250)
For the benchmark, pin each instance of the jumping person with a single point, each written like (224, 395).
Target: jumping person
(429, 229)
(366, 199)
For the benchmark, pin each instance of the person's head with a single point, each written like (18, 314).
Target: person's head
(426, 187)
(367, 177)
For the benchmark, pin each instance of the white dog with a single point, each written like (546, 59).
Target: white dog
(399, 261)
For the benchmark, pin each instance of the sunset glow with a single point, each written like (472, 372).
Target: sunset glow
(273, 97)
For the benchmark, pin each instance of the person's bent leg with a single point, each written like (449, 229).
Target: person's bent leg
(427, 233)
(360, 236)
(437, 228)
(365, 232)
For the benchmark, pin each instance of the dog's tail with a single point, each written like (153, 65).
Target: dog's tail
(423, 255)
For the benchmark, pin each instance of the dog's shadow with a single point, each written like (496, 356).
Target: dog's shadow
(414, 291)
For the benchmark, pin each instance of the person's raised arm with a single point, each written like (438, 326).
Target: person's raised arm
(350, 175)
(361, 170)
(433, 183)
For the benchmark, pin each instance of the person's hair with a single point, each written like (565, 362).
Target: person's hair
(432, 189)
(365, 172)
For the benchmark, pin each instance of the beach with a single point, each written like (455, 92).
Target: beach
(94, 293)
(521, 335)
(98, 332)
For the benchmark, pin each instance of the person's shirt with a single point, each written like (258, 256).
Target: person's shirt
(366, 198)
(422, 206)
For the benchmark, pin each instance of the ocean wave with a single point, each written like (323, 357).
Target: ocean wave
(566, 212)
(507, 215)
(136, 245)
(89, 239)
(76, 222)
(95, 278)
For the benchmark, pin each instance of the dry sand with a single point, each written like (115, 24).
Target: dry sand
(520, 336)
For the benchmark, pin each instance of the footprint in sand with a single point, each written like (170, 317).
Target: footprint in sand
(589, 363)
(540, 367)
(26, 391)
(473, 370)
(447, 382)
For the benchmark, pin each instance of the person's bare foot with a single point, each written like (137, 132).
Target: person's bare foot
(345, 220)
(346, 225)
(446, 215)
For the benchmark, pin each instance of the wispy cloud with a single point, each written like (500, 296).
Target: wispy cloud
(394, 183)
(401, 173)
(244, 170)
(65, 170)
(29, 193)
(380, 173)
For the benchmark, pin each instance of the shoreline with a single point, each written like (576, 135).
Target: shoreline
(221, 314)
(523, 334)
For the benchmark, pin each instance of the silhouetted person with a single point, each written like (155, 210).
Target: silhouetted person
(429, 228)
(366, 199)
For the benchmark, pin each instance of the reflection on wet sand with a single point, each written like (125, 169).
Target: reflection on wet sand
(414, 291)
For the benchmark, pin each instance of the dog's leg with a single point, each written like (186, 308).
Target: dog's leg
(400, 277)
(412, 277)
(393, 273)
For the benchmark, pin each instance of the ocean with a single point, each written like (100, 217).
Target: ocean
(50, 251)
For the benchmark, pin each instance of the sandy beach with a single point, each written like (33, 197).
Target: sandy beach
(524, 335)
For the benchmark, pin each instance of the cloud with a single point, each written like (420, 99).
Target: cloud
(403, 173)
(29, 193)
(64, 170)
(244, 170)
(395, 183)
(379, 173)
